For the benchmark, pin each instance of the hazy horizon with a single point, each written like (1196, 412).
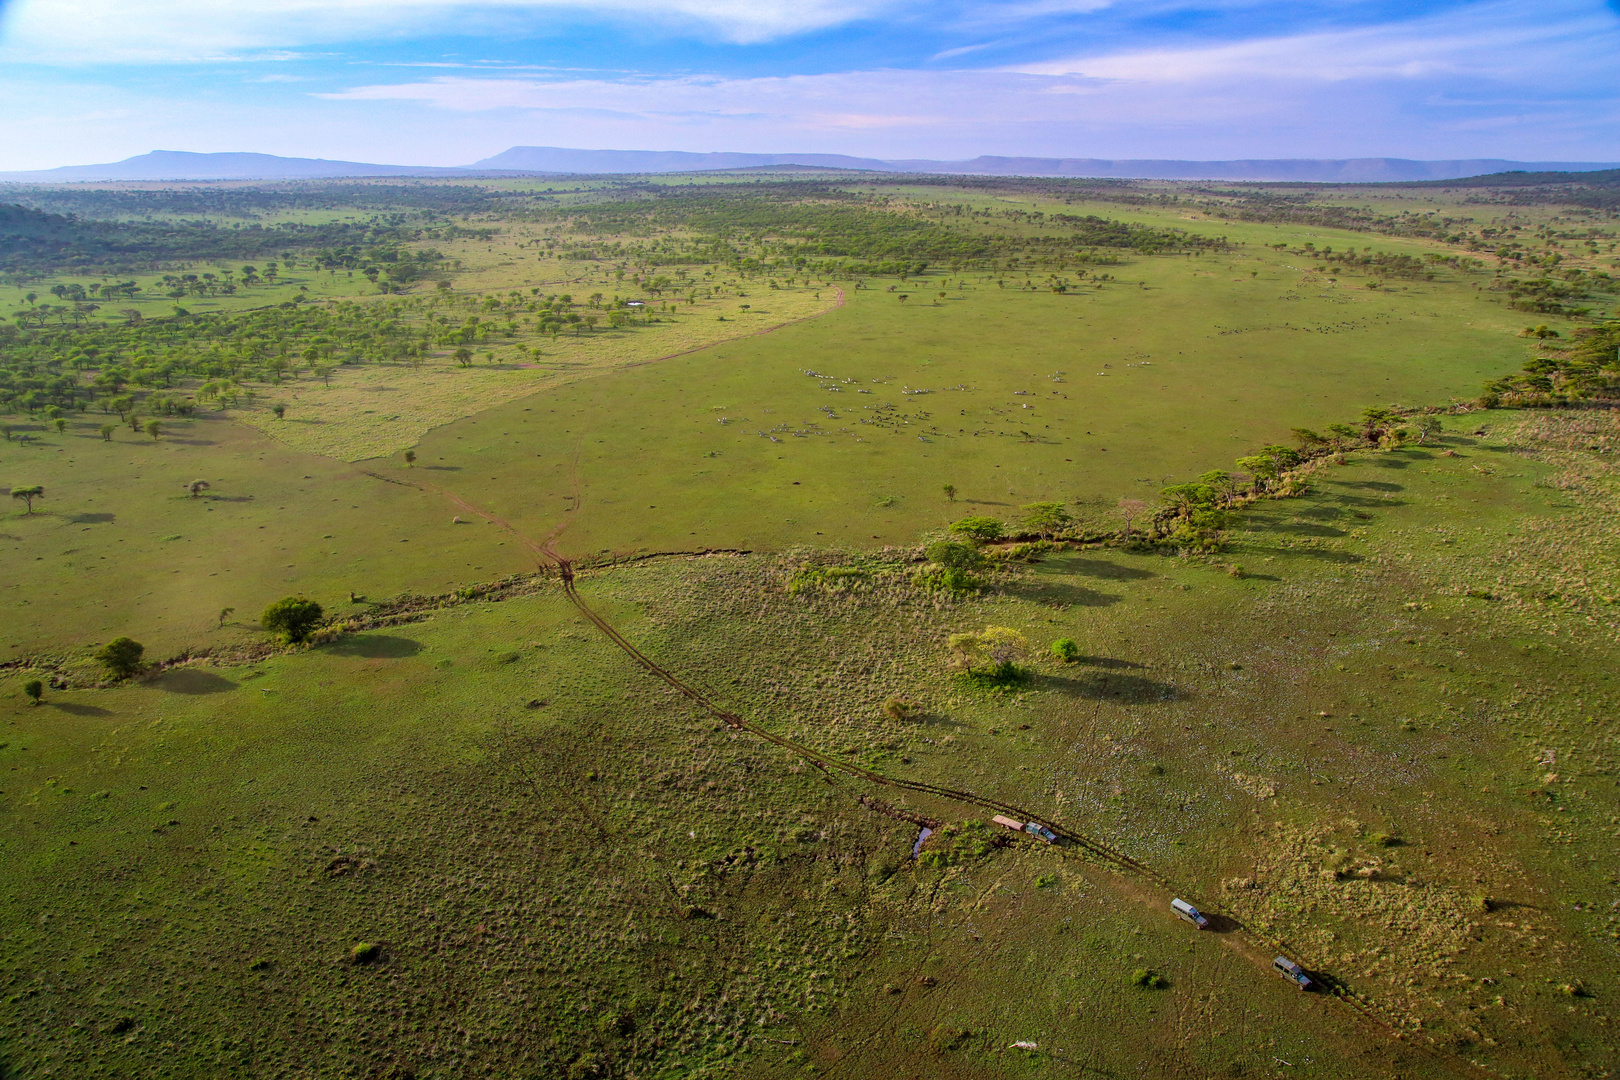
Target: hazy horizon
(444, 83)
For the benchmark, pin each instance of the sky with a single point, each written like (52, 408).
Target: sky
(448, 82)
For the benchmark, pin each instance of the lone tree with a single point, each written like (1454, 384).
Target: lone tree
(410, 458)
(1045, 518)
(1130, 510)
(107, 431)
(28, 495)
(197, 487)
(292, 618)
(154, 428)
(1065, 650)
(279, 409)
(35, 690)
(990, 652)
(121, 656)
(979, 529)
(958, 561)
(950, 492)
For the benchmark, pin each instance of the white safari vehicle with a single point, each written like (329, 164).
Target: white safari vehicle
(1186, 911)
(1291, 971)
(1034, 828)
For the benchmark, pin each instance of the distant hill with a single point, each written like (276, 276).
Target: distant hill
(552, 160)
(1590, 178)
(182, 165)
(556, 159)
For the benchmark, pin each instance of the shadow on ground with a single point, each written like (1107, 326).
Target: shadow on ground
(73, 709)
(193, 681)
(375, 646)
(1104, 686)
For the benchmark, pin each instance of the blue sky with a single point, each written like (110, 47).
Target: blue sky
(445, 82)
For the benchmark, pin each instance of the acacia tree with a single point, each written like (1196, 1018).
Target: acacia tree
(980, 529)
(197, 487)
(1339, 435)
(292, 618)
(1307, 438)
(957, 561)
(121, 656)
(991, 652)
(1222, 481)
(1045, 518)
(28, 495)
(1130, 510)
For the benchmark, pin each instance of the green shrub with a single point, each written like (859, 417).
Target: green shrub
(898, 708)
(979, 529)
(1148, 979)
(833, 579)
(292, 618)
(121, 656)
(1066, 650)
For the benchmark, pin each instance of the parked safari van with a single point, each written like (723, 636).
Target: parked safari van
(1291, 971)
(1186, 911)
(1034, 828)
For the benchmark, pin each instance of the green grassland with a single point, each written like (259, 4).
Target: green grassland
(1409, 787)
(1121, 389)
(474, 838)
(1203, 364)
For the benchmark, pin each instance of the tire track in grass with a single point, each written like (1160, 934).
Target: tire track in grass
(1241, 938)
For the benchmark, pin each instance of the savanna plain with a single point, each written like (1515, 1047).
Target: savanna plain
(559, 628)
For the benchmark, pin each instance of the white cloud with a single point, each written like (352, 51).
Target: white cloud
(188, 30)
(1496, 42)
(1485, 80)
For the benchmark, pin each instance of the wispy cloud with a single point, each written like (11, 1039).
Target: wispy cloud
(1496, 42)
(1074, 78)
(199, 30)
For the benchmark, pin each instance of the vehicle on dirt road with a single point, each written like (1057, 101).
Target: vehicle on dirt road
(1033, 828)
(1186, 911)
(1292, 972)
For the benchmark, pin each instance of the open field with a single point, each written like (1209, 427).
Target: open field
(654, 895)
(1367, 725)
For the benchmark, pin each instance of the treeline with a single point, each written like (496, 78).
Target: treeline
(1587, 370)
(1598, 190)
(816, 226)
(425, 201)
(34, 242)
(1302, 208)
(112, 366)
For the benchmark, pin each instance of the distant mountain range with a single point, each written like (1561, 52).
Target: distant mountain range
(167, 165)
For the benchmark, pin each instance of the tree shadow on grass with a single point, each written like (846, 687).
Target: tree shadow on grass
(374, 646)
(1108, 686)
(91, 519)
(1106, 662)
(1102, 568)
(1375, 485)
(192, 681)
(1068, 595)
(75, 709)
